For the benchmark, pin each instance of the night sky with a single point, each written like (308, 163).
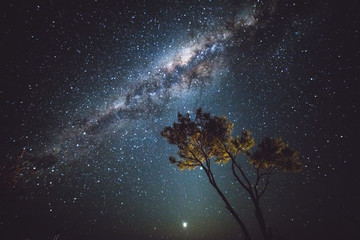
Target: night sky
(87, 87)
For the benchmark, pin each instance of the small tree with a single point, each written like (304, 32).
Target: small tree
(210, 138)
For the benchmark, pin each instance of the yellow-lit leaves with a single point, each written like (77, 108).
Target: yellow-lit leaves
(245, 143)
(207, 137)
(183, 164)
(200, 140)
(187, 165)
(274, 153)
(222, 158)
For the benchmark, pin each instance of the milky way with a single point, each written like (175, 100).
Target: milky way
(87, 87)
(193, 64)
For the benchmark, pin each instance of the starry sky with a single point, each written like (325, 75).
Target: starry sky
(87, 87)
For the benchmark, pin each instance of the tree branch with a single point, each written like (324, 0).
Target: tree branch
(234, 163)
(200, 163)
(238, 178)
(267, 181)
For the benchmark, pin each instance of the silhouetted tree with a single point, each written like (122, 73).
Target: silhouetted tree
(209, 138)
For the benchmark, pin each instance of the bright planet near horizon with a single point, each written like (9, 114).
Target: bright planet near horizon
(185, 224)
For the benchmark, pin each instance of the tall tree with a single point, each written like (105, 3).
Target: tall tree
(208, 138)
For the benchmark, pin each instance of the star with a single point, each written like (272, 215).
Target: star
(88, 92)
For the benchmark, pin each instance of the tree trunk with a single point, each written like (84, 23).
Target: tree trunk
(261, 221)
(232, 211)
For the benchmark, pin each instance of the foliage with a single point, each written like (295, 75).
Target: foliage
(211, 137)
(274, 153)
(207, 138)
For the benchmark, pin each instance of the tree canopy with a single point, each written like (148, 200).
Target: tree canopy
(209, 138)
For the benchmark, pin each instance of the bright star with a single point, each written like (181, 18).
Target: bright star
(184, 224)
